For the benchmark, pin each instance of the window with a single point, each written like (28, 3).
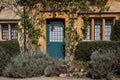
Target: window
(9, 31)
(87, 36)
(5, 32)
(56, 31)
(14, 32)
(97, 28)
(108, 30)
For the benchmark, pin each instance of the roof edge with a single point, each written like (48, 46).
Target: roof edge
(99, 13)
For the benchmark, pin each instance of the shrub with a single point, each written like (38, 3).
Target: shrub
(3, 59)
(27, 65)
(82, 63)
(117, 30)
(11, 47)
(8, 49)
(80, 69)
(104, 62)
(56, 68)
(84, 49)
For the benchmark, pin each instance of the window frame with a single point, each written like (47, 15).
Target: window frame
(15, 25)
(88, 29)
(3, 31)
(111, 24)
(103, 28)
(100, 33)
(9, 31)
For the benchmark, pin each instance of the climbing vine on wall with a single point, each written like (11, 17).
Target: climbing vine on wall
(33, 23)
(70, 7)
(71, 38)
(32, 28)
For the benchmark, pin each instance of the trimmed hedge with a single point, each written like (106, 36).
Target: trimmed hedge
(117, 30)
(8, 49)
(84, 49)
(11, 47)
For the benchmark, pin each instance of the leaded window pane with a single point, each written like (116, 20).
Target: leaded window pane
(98, 25)
(108, 30)
(14, 31)
(5, 32)
(56, 31)
(87, 36)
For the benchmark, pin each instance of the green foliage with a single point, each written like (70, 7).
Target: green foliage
(84, 49)
(35, 64)
(32, 30)
(63, 5)
(98, 2)
(117, 30)
(79, 69)
(79, 75)
(29, 3)
(67, 6)
(8, 49)
(3, 59)
(57, 67)
(31, 24)
(71, 38)
(104, 62)
(82, 63)
(11, 47)
(27, 65)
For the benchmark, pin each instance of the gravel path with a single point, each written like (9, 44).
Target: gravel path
(43, 78)
(46, 78)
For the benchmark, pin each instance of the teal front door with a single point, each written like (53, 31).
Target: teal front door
(55, 38)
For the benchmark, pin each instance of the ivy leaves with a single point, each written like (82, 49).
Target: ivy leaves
(71, 38)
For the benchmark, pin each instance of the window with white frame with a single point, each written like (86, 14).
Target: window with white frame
(97, 29)
(108, 30)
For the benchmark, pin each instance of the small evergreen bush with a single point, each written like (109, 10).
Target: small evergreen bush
(56, 68)
(104, 62)
(11, 47)
(3, 59)
(27, 65)
(84, 49)
(8, 49)
(117, 30)
(80, 69)
(35, 64)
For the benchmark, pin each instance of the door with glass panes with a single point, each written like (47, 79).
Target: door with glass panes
(55, 38)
